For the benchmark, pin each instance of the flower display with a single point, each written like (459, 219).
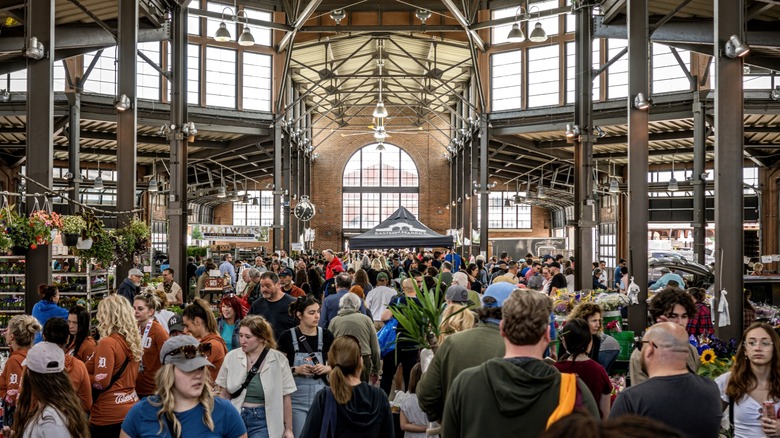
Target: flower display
(708, 357)
(29, 231)
(611, 301)
(716, 356)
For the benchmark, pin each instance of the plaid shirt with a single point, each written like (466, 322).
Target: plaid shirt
(701, 324)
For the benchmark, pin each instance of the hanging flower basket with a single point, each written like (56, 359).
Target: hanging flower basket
(84, 243)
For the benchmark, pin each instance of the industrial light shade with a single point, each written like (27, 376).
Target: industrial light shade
(517, 199)
(245, 198)
(234, 197)
(246, 38)
(422, 15)
(337, 15)
(221, 192)
(673, 186)
(380, 148)
(516, 35)
(641, 102)
(98, 185)
(541, 193)
(775, 94)
(380, 111)
(614, 187)
(538, 35)
(572, 130)
(736, 48)
(255, 202)
(223, 34)
(35, 49)
(5, 95)
(122, 103)
(508, 203)
(153, 188)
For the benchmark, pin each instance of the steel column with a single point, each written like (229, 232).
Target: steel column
(583, 149)
(277, 225)
(729, 138)
(40, 117)
(484, 144)
(699, 158)
(474, 173)
(638, 138)
(177, 201)
(74, 151)
(287, 217)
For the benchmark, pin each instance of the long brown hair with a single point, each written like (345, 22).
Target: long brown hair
(742, 379)
(345, 360)
(259, 328)
(43, 389)
(201, 309)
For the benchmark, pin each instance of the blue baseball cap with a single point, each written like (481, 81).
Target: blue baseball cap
(499, 292)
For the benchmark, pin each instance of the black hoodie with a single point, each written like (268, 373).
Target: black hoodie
(367, 414)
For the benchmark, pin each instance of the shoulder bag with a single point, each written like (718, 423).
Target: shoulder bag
(251, 374)
(96, 392)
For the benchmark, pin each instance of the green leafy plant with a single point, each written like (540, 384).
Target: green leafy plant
(73, 224)
(713, 366)
(103, 250)
(193, 251)
(30, 231)
(93, 226)
(131, 239)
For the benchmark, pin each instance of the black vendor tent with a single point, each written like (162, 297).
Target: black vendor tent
(400, 230)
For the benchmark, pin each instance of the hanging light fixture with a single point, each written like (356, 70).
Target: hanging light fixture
(255, 202)
(541, 193)
(516, 35)
(507, 202)
(221, 190)
(245, 39)
(153, 182)
(538, 35)
(380, 148)
(673, 185)
(223, 34)
(98, 185)
(614, 187)
(380, 111)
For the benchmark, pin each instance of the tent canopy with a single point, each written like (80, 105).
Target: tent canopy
(400, 230)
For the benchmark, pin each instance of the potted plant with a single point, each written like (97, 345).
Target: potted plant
(92, 231)
(72, 226)
(131, 239)
(102, 250)
(27, 232)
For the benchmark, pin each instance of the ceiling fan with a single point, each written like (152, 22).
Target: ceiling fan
(380, 132)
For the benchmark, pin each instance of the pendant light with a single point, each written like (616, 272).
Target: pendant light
(153, 182)
(98, 185)
(380, 111)
(614, 187)
(673, 185)
(221, 190)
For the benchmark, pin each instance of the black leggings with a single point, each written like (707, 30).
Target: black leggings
(406, 358)
(108, 431)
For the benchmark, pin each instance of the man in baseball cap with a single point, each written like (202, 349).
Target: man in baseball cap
(286, 282)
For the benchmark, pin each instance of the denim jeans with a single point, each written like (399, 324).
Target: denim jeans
(301, 401)
(254, 420)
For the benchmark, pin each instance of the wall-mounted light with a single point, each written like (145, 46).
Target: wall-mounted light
(641, 102)
(572, 130)
(5, 96)
(337, 15)
(122, 103)
(35, 49)
(189, 129)
(223, 34)
(736, 48)
(600, 132)
(775, 94)
(538, 35)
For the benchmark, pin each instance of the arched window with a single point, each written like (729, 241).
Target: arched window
(375, 184)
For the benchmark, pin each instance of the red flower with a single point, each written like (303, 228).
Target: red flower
(33, 246)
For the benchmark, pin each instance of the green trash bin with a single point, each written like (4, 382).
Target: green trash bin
(626, 341)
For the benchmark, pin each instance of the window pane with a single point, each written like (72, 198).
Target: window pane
(102, 80)
(543, 76)
(550, 24)
(212, 24)
(352, 171)
(571, 51)
(499, 33)
(257, 81)
(391, 168)
(193, 22)
(755, 82)
(505, 81)
(262, 35)
(390, 203)
(617, 79)
(370, 170)
(59, 77)
(148, 79)
(220, 77)
(370, 210)
(667, 74)
(193, 74)
(410, 202)
(351, 210)
(502, 216)
(408, 171)
(266, 208)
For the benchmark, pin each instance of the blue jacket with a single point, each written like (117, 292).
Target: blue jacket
(234, 340)
(45, 309)
(128, 289)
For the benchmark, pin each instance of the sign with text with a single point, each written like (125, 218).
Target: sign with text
(233, 233)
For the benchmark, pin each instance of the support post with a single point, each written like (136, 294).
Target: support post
(729, 140)
(484, 142)
(40, 117)
(638, 138)
(583, 149)
(74, 151)
(177, 201)
(277, 225)
(699, 158)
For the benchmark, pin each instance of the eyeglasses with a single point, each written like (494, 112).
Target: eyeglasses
(754, 344)
(190, 351)
(638, 344)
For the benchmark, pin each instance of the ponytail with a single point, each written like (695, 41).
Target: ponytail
(345, 359)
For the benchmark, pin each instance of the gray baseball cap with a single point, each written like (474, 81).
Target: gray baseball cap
(175, 351)
(45, 358)
(458, 294)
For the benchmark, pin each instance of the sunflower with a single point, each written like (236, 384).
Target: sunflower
(707, 356)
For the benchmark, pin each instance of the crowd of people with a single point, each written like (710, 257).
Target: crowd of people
(294, 351)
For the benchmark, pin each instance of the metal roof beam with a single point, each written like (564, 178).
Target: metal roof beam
(532, 147)
(476, 40)
(299, 21)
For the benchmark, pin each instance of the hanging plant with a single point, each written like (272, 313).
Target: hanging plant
(93, 226)
(102, 251)
(30, 231)
(131, 239)
(72, 224)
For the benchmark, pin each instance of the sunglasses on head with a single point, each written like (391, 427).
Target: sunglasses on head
(190, 351)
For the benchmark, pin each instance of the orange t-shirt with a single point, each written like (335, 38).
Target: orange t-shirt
(218, 352)
(145, 385)
(11, 376)
(112, 405)
(79, 376)
(295, 291)
(86, 350)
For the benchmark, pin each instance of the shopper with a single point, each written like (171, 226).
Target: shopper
(48, 405)
(113, 368)
(231, 311)
(350, 321)
(162, 314)
(256, 378)
(19, 337)
(184, 401)
(153, 336)
(56, 332)
(81, 344)
(47, 307)
(413, 420)
(349, 407)
(306, 347)
(199, 322)
(754, 378)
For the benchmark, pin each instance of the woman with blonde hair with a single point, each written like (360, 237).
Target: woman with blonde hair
(455, 318)
(200, 322)
(257, 379)
(184, 400)
(153, 336)
(48, 404)
(113, 369)
(19, 336)
(353, 400)
(161, 314)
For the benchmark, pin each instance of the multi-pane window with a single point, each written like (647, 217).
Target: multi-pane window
(549, 24)
(257, 82)
(212, 24)
(667, 74)
(255, 215)
(571, 74)
(193, 21)
(220, 77)
(375, 184)
(103, 78)
(617, 73)
(261, 35)
(506, 70)
(148, 79)
(502, 216)
(193, 73)
(543, 82)
(608, 244)
(499, 33)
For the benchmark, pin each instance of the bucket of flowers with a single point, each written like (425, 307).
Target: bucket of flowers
(716, 356)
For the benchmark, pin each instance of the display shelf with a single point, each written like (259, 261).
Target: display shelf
(21, 274)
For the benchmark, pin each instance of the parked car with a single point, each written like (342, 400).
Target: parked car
(694, 274)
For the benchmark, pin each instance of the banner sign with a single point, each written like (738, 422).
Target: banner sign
(232, 233)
